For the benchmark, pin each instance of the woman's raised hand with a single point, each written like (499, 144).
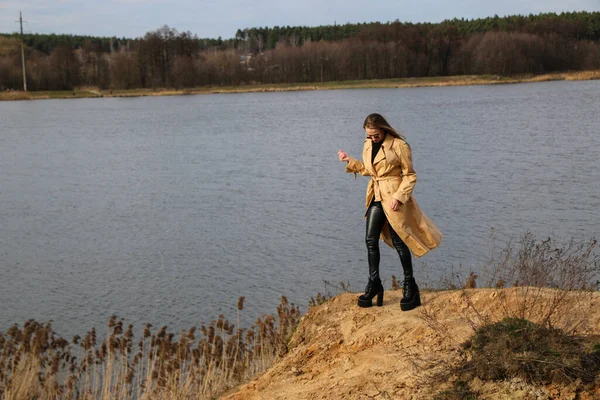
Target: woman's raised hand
(343, 156)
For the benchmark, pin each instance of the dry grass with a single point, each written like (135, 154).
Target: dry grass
(538, 331)
(441, 81)
(331, 290)
(36, 363)
(19, 95)
(532, 352)
(576, 76)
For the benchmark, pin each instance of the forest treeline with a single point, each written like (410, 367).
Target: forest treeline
(167, 58)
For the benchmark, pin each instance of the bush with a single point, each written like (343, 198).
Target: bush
(519, 348)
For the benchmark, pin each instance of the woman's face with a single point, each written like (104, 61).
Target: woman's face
(376, 135)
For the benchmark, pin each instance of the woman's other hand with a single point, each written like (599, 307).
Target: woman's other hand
(395, 205)
(343, 156)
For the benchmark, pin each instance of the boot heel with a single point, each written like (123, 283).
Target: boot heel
(380, 299)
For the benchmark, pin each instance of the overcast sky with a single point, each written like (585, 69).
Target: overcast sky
(213, 18)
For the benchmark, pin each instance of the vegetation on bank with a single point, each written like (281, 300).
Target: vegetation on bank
(166, 58)
(517, 348)
(95, 92)
(36, 363)
(526, 345)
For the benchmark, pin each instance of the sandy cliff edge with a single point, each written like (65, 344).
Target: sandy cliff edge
(341, 351)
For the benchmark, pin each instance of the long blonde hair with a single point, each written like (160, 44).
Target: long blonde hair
(376, 121)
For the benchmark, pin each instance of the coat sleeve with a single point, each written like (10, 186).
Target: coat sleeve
(409, 176)
(357, 167)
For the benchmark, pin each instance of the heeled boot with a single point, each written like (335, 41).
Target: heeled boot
(411, 297)
(374, 288)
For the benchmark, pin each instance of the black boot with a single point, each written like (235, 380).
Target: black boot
(374, 288)
(411, 297)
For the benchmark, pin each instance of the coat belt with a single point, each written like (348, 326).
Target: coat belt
(385, 178)
(377, 179)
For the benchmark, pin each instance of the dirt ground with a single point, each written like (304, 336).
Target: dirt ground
(341, 351)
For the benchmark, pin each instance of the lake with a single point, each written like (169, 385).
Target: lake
(167, 209)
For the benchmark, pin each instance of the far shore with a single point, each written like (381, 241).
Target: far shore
(461, 80)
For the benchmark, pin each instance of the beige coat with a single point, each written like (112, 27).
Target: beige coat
(393, 177)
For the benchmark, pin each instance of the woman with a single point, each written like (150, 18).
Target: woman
(392, 211)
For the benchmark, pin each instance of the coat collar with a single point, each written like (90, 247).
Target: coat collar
(387, 144)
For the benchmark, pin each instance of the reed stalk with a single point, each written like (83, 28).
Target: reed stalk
(36, 363)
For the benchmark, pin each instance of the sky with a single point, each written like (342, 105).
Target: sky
(214, 18)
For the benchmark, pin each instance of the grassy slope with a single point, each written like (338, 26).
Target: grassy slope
(379, 83)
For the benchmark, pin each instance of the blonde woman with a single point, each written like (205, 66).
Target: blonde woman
(392, 211)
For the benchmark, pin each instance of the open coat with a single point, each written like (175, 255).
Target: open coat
(393, 177)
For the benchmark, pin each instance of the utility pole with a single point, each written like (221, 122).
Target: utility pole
(23, 53)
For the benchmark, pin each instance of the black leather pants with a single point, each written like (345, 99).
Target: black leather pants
(375, 221)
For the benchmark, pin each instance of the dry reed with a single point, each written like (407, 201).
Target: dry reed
(36, 363)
